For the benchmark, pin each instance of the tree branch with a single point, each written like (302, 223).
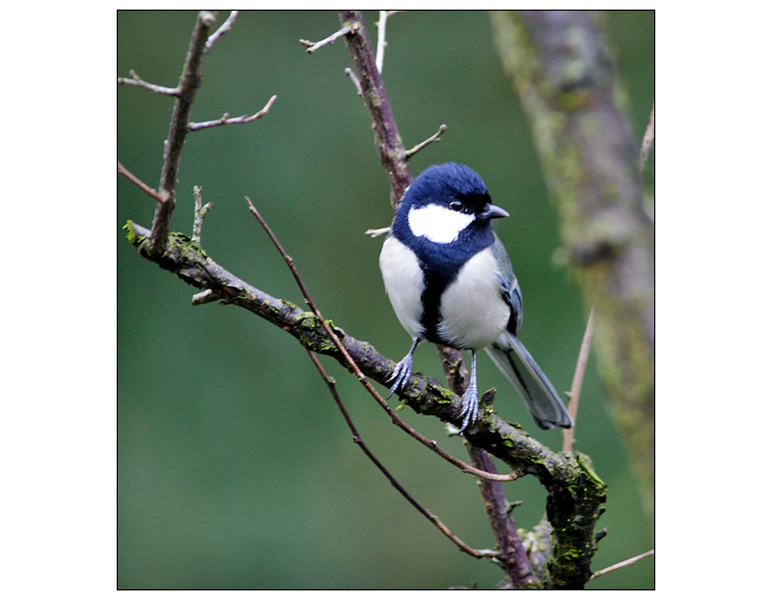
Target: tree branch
(383, 17)
(563, 70)
(575, 494)
(576, 384)
(312, 47)
(134, 80)
(189, 82)
(426, 396)
(221, 31)
(388, 142)
(620, 565)
(140, 184)
(394, 159)
(228, 120)
(511, 551)
(434, 138)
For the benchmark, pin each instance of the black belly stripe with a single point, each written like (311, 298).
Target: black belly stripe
(441, 264)
(430, 318)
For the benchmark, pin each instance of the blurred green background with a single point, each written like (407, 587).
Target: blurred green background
(235, 469)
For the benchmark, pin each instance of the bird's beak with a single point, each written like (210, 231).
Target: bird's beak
(494, 212)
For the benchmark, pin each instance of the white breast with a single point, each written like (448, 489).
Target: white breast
(473, 312)
(404, 283)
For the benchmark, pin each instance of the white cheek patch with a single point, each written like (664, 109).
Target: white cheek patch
(438, 223)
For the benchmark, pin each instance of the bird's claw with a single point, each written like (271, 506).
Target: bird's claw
(401, 374)
(469, 405)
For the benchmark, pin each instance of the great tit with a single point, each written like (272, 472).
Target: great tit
(450, 282)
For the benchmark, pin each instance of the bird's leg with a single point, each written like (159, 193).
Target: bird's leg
(403, 370)
(469, 400)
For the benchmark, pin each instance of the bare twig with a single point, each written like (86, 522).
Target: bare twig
(648, 138)
(141, 184)
(374, 233)
(417, 505)
(135, 80)
(431, 444)
(383, 16)
(227, 120)
(312, 47)
(576, 384)
(198, 218)
(206, 297)
(354, 80)
(199, 212)
(221, 31)
(621, 564)
(435, 138)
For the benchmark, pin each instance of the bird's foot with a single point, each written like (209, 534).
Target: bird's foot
(469, 405)
(400, 375)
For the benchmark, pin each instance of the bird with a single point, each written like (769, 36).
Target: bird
(450, 281)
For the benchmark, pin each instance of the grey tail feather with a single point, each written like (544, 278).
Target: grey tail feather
(541, 399)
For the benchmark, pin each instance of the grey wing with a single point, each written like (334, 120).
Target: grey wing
(510, 288)
(517, 364)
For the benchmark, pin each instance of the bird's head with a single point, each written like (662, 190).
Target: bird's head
(444, 201)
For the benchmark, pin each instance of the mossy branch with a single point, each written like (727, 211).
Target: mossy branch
(575, 494)
(563, 69)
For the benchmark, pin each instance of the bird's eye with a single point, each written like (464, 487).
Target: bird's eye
(456, 205)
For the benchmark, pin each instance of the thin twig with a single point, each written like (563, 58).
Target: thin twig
(205, 297)
(199, 212)
(360, 442)
(227, 120)
(312, 47)
(355, 81)
(135, 80)
(374, 233)
(576, 384)
(435, 138)
(431, 444)
(141, 184)
(648, 138)
(383, 16)
(622, 564)
(221, 31)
